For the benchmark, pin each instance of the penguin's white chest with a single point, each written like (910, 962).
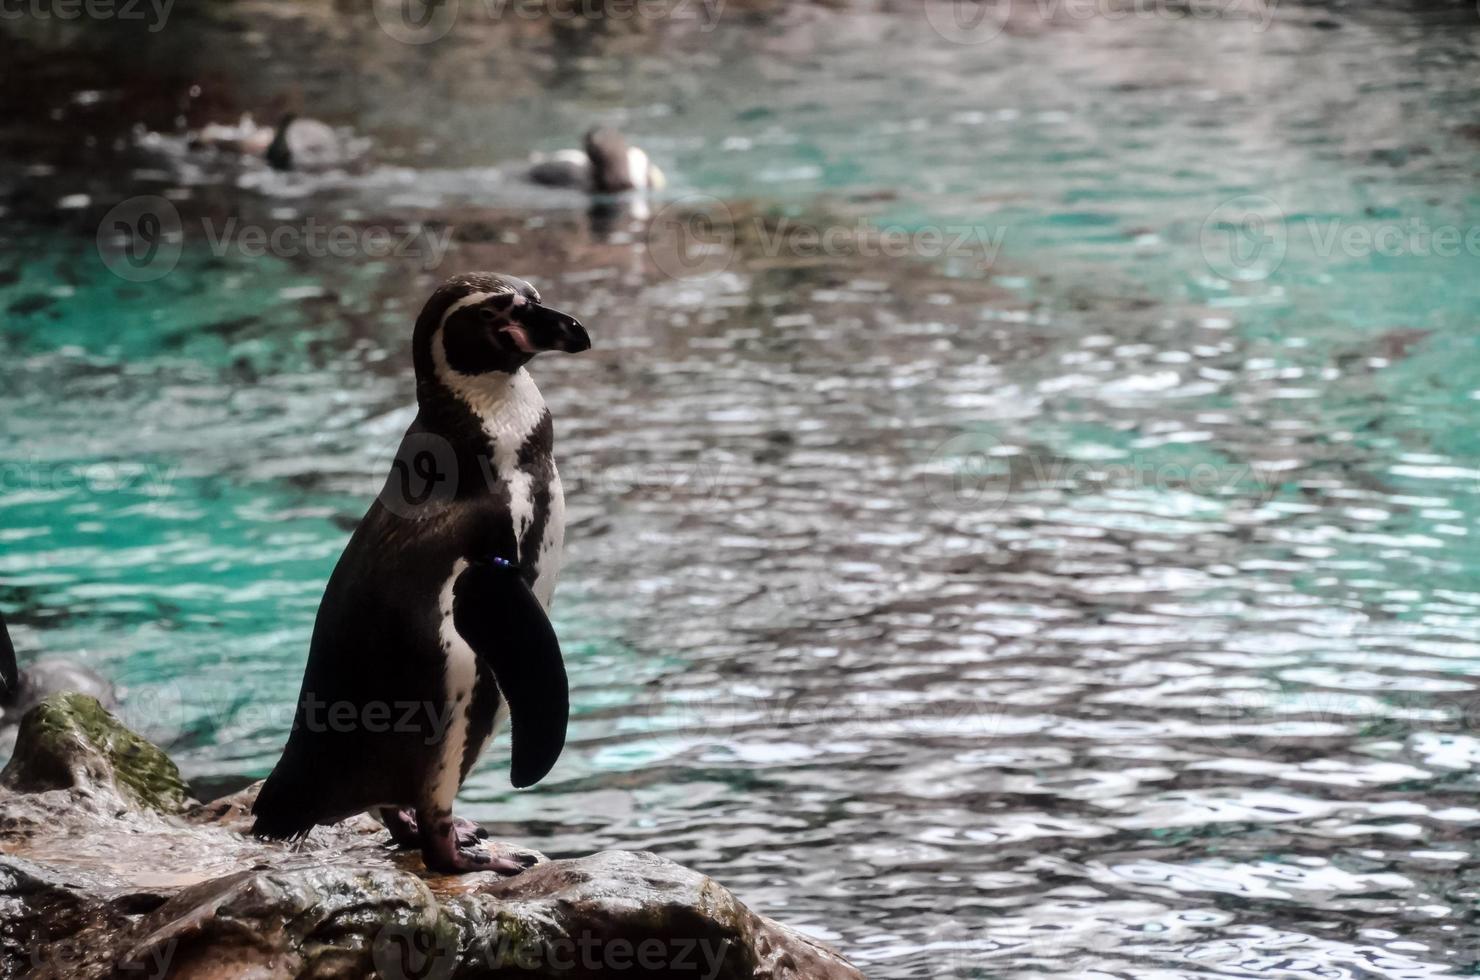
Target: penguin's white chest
(460, 676)
(552, 544)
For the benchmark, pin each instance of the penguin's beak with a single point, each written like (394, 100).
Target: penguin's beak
(546, 329)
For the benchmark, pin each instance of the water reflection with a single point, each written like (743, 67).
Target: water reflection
(1087, 614)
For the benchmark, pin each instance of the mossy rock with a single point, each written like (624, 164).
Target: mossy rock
(70, 741)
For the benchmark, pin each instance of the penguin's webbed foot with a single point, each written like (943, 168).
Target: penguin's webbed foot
(448, 846)
(468, 833)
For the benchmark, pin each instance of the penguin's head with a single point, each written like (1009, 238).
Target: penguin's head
(483, 323)
(279, 152)
(611, 161)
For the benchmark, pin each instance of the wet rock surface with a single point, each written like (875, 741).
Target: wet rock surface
(109, 870)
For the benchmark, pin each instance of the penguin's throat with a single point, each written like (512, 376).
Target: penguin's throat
(506, 406)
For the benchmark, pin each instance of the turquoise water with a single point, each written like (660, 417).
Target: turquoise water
(1097, 597)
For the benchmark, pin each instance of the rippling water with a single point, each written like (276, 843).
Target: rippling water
(1095, 598)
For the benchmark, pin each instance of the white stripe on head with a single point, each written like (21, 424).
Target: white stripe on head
(439, 338)
(449, 374)
(472, 299)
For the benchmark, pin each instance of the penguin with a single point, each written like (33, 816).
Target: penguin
(10, 678)
(305, 144)
(246, 137)
(433, 629)
(607, 165)
(294, 143)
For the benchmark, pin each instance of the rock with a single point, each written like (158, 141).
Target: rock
(71, 741)
(54, 675)
(107, 873)
(22, 690)
(307, 144)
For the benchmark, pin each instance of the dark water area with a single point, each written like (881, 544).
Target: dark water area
(1023, 492)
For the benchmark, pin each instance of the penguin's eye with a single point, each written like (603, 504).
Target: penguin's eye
(487, 315)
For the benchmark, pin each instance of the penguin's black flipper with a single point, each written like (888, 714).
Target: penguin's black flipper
(500, 618)
(10, 678)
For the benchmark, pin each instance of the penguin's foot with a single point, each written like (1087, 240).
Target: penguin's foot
(447, 846)
(481, 857)
(468, 833)
(406, 833)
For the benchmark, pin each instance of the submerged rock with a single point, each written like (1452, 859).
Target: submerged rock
(107, 872)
